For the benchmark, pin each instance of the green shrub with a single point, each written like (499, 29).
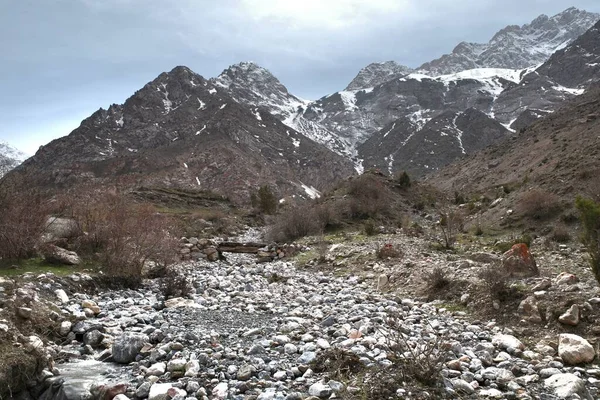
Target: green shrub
(590, 219)
(264, 200)
(402, 179)
(370, 228)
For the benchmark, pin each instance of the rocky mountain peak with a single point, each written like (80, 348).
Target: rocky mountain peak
(10, 157)
(516, 47)
(253, 85)
(377, 73)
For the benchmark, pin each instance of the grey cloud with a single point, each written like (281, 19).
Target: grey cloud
(67, 58)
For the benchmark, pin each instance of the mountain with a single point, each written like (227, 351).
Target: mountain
(9, 158)
(567, 73)
(377, 73)
(181, 130)
(559, 154)
(387, 122)
(417, 149)
(256, 87)
(516, 47)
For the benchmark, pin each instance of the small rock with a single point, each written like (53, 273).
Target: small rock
(320, 390)
(571, 316)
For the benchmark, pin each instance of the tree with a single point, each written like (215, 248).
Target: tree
(589, 211)
(264, 200)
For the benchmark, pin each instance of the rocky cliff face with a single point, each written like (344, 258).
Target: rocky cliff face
(182, 130)
(516, 46)
(9, 158)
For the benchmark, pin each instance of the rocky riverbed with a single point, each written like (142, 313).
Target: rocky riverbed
(248, 330)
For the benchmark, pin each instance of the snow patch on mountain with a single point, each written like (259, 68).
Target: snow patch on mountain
(10, 157)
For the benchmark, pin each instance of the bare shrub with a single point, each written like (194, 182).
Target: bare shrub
(123, 235)
(369, 197)
(23, 219)
(560, 234)
(539, 204)
(421, 360)
(388, 251)
(295, 223)
(436, 280)
(494, 282)
(451, 223)
(175, 284)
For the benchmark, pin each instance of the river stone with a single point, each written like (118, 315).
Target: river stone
(93, 338)
(246, 372)
(159, 391)
(176, 364)
(507, 342)
(157, 369)
(566, 386)
(61, 296)
(574, 349)
(320, 390)
(127, 346)
(571, 316)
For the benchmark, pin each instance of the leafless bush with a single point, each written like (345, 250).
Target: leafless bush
(295, 223)
(388, 251)
(369, 197)
(494, 281)
(422, 359)
(560, 233)
(436, 280)
(23, 219)
(123, 235)
(451, 223)
(175, 284)
(539, 204)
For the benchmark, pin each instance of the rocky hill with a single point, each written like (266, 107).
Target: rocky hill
(516, 46)
(9, 158)
(558, 155)
(182, 130)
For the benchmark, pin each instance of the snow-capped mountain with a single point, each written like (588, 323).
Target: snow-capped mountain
(255, 86)
(516, 46)
(10, 157)
(377, 73)
(185, 131)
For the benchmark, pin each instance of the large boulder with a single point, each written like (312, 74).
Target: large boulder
(567, 386)
(519, 262)
(574, 349)
(57, 255)
(128, 346)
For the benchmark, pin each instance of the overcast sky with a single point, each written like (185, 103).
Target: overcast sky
(64, 59)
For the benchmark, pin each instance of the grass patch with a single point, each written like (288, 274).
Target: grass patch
(37, 266)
